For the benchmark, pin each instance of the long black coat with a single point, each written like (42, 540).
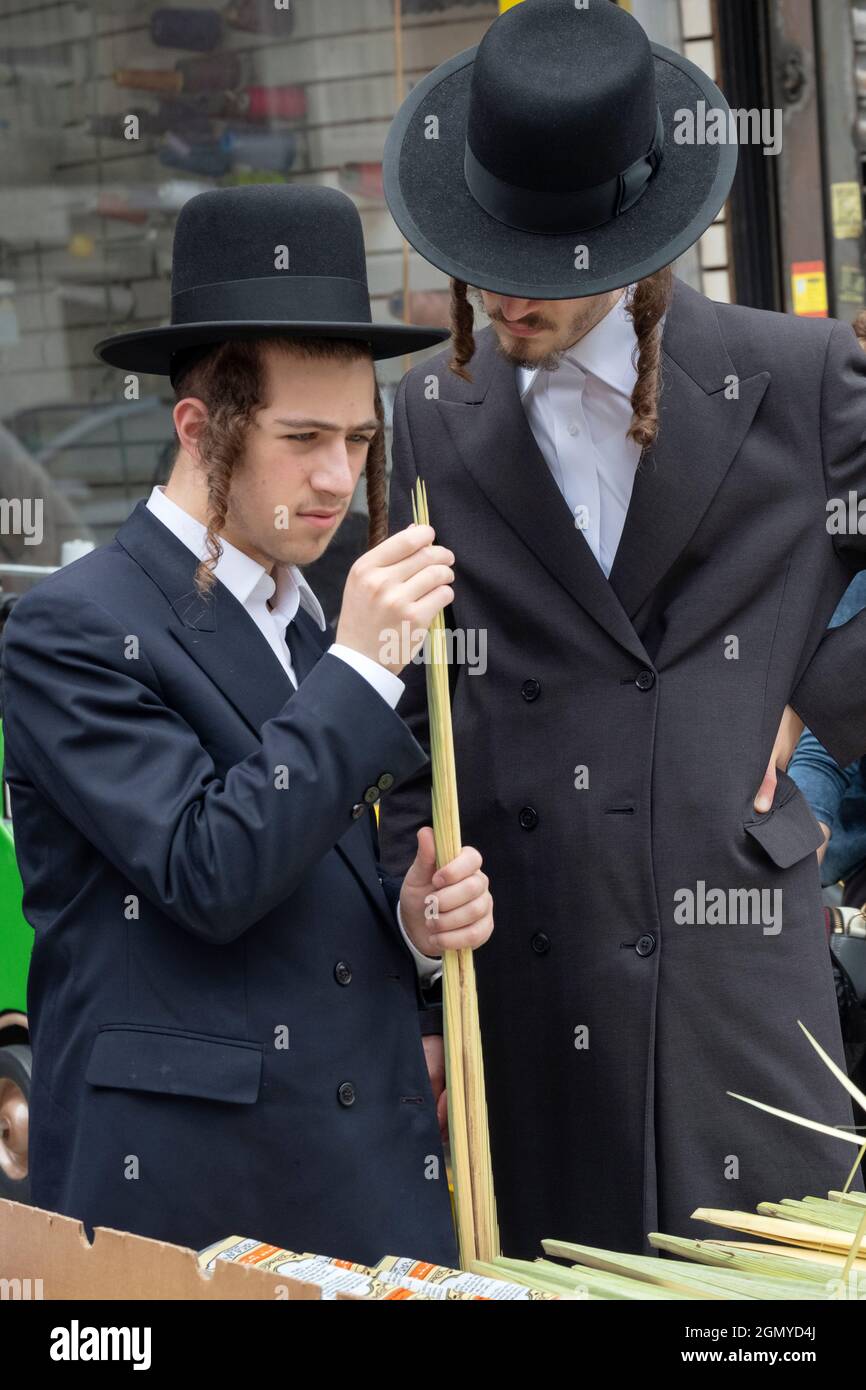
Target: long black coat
(225, 1018)
(603, 1135)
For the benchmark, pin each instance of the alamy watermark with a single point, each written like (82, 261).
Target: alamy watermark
(461, 646)
(713, 125)
(731, 907)
(22, 516)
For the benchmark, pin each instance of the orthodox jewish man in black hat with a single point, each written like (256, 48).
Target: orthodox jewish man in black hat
(225, 992)
(634, 481)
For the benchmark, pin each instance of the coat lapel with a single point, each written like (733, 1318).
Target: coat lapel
(700, 432)
(220, 636)
(216, 631)
(490, 432)
(702, 425)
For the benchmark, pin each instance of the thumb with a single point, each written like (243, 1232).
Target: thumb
(425, 860)
(767, 789)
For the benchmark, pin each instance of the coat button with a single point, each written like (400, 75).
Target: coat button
(531, 689)
(343, 972)
(645, 680)
(346, 1094)
(371, 795)
(645, 945)
(540, 943)
(385, 782)
(358, 810)
(528, 817)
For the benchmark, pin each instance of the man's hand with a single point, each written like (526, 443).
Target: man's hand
(434, 1051)
(393, 592)
(827, 833)
(446, 909)
(787, 739)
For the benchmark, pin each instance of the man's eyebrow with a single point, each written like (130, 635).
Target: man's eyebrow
(298, 424)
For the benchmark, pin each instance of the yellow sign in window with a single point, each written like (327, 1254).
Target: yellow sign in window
(809, 289)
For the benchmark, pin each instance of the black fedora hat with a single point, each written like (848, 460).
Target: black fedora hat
(263, 260)
(558, 131)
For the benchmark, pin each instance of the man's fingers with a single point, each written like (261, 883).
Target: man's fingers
(398, 547)
(466, 929)
(442, 1115)
(461, 916)
(767, 789)
(431, 577)
(458, 894)
(461, 866)
(434, 1052)
(823, 849)
(404, 553)
(420, 559)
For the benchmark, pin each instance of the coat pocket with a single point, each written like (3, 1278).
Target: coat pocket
(173, 1063)
(788, 831)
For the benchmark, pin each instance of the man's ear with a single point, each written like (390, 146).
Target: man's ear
(189, 417)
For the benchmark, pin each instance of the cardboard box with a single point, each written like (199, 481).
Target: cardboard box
(47, 1256)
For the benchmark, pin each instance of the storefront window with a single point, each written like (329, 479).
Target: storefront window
(112, 115)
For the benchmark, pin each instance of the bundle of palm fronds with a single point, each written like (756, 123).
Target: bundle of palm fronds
(474, 1201)
(808, 1249)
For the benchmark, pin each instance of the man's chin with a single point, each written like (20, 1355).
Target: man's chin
(304, 550)
(527, 352)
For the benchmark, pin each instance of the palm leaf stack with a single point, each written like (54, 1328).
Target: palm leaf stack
(474, 1201)
(812, 1249)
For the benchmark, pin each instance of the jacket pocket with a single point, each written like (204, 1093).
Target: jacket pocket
(173, 1063)
(788, 831)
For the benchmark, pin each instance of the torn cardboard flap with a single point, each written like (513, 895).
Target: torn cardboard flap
(54, 1255)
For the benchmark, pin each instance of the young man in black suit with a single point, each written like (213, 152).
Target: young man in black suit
(224, 993)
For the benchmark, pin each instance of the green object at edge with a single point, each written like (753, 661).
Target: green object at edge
(16, 935)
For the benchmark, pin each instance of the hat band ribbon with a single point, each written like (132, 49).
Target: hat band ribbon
(274, 299)
(533, 210)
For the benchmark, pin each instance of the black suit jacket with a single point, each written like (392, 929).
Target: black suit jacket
(224, 1015)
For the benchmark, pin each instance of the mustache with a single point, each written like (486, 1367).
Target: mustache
(533, 321)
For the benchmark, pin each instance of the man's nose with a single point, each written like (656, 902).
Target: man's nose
(516, 308)
(333, 472)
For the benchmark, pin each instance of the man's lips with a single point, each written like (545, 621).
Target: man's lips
(520, 330)
(320, 519)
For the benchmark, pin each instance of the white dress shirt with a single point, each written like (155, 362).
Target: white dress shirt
(272, 605)
(580, 415)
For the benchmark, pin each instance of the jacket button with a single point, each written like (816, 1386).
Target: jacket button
(358, 810)
(645, 945)
(385, 782)
(531, 689)
(371, 795)
(343, 972)
(540, 943)
(645, 680)
(346, 1094)
(528, 817)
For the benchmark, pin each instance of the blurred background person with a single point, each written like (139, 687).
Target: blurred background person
(837, 796)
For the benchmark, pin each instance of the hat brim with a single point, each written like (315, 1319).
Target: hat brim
(151, 349)
(430, 201)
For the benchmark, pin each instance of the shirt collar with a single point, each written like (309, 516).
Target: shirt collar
(243, 576)
(604, 352)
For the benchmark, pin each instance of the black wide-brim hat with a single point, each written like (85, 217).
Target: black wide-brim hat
(264, 260)
(560, 130)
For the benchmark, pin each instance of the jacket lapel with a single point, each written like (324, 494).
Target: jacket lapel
(216, 631)
(702, 425)
(700, 432)
(490, 432)
(221, 638)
